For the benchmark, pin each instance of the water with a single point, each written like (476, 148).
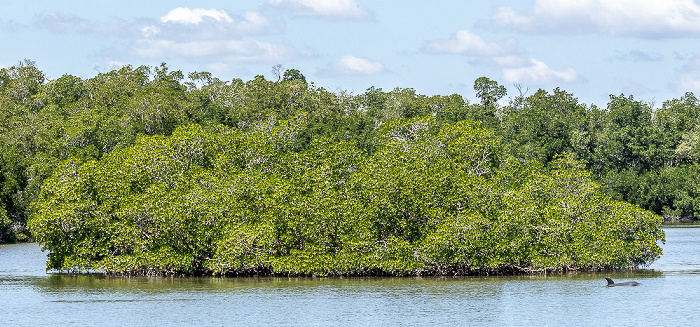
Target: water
(669, 293)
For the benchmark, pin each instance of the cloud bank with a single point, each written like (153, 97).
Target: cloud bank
(195, 16)
(325, 9)
(197, 34)
(649, 19)
(247, 50)
(506, 56)
(538, 73)
(351, 65)
(688, 83)
(467, 43)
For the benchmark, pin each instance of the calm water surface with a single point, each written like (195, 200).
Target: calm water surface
(668, 296)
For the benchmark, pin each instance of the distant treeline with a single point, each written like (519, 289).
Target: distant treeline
(116, 166)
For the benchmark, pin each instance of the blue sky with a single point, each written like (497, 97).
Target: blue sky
(591, 48)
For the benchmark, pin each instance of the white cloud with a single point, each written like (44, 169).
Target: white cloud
(510, 61)
(506, 56)
(193, 34)
(179, 23)
(688, 83)
(214, 36)
(232, 26)
(327, 9)
(538, 73)
(467, 43)
(150, 31)
(195, 16)
(634, 18)
(351, 65)
(253, 21)
(246, 50)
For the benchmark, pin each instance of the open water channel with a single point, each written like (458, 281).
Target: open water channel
(669, 295)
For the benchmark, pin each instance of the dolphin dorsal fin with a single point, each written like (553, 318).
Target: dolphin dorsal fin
(610, 281)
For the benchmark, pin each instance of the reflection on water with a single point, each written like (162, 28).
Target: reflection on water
(30, 297)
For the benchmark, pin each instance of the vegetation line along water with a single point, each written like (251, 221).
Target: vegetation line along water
(141, 171)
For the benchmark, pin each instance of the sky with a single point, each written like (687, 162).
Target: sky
(591, 48)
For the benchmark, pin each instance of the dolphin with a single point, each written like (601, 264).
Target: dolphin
(611, 283)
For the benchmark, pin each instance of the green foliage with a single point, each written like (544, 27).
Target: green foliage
(488, 91)
(432, 199)
(688, 149)
(5, 224)
(141, 170)
(545, 125)
(678, 121)
(672, 191)
(20, 86)
(11, 167)
(633, 137)
(294, 75)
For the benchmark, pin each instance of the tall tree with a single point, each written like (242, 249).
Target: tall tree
(489, 91)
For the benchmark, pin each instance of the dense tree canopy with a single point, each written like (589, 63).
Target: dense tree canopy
(430, 200)
(377, 177)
